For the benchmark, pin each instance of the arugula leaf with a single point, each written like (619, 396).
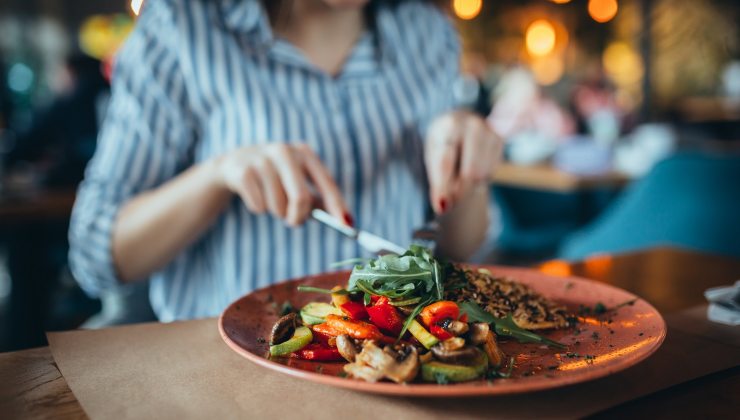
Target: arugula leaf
(302, 288)
(505, 326)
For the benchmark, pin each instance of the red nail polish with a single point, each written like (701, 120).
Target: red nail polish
(443, 204)
(349, 220)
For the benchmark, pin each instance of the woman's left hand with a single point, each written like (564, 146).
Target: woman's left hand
(460, 153)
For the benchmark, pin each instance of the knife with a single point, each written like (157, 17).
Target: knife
(370, 242)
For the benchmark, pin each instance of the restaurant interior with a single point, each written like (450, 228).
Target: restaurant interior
(620, 121)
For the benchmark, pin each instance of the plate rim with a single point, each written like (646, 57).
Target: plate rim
(450, 390)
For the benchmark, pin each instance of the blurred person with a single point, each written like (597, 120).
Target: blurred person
(532, 123)
(229, 120)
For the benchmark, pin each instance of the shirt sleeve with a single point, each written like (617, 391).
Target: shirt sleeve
(442, 47)
(144, 141)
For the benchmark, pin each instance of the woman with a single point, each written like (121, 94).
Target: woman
(230, 120)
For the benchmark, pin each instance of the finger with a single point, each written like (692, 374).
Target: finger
(325, 185)
(442, 161)
(272, 188)
(294, 183)
(474, 159)
(250, 191)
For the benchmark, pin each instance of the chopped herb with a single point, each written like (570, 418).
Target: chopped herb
(572, 355)
(495, 373)
(261, 340)
(319, 368)
(320, 290)
(441, 378)
(627, 303)
(553, 367)
(569, 285)
(595, 335)
(600, 308)
(589, 358)
(286, 308)
(641, 334)
(342, 374)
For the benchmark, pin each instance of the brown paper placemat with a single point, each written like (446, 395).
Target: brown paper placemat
(184, 370)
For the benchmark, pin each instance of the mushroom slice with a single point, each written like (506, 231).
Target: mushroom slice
(454, 343)
(457, 328)
(478, 333)
(399, 363)
(406, 365)
(363, 372)
(283, 328)
(460, 355)
(346, 347)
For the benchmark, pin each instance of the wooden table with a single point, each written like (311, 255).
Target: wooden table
(32, 387)
(546, 177)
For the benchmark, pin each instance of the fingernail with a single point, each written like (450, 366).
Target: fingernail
(349, 220)
(443, 204)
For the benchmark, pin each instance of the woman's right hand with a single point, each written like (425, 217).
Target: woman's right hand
(284, 179)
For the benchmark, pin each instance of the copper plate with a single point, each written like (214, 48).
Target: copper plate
(598, 346)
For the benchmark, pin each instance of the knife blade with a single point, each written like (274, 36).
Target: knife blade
(370, 242)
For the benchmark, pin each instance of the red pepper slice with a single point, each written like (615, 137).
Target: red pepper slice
(438, 312)
(385, 317)
(440, 332)
(317, 352)
(321, 337)
(354, 310)
(464, 318)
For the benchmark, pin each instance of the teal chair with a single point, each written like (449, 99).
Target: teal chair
(689, 200)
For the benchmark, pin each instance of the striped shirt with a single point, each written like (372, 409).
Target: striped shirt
(198, 78)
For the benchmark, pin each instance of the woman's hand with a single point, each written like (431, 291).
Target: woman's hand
(460, 152)
(284, 179)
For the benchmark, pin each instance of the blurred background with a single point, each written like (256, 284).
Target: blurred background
(621, 120)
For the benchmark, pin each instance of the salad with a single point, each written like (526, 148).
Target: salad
(411, 317)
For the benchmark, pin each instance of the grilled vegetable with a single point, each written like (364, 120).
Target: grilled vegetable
(385, 316)
(300, 339)
(420, 333)
(354, 310)
(445, 372)
(316, 312)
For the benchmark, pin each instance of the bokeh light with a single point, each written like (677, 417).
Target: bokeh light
(540, 37)
(560, 1)
(622, 63)
(548, 70)
(20, 78)
(602, 10)
(101, 35)
(467, 9)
